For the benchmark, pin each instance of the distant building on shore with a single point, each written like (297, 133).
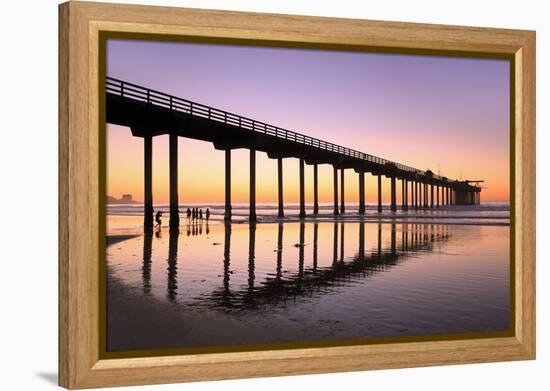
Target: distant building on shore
(126, 199)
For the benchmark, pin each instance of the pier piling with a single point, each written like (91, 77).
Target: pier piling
(405, 194)
(148, 183)
(302, 190)
(315, 190)
(335, 184)
(415, 194)
(379, 193)
(342, 195)
(227, 215)
(361, 192)
(280, 186)
(252, 201)
(174, 205)
(393, 195)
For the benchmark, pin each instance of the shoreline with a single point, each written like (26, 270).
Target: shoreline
(117, 238)
(114, 236)
(113, 233)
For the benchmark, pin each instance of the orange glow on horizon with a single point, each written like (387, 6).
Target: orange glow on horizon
(201, 171)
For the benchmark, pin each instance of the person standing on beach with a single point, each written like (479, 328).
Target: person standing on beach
(157, 218)
(207, 214)
(188, 213)
(200, 214)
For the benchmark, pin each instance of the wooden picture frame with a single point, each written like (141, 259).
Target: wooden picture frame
(80, 163)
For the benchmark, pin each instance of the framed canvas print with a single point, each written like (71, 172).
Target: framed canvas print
(248, 195)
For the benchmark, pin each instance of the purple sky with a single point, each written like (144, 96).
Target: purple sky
(424, 111)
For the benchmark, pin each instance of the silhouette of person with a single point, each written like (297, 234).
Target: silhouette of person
(200, 214)
(188, 213)
(207, 213)
(157, 218)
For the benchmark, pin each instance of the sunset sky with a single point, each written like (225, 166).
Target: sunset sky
(450, 115)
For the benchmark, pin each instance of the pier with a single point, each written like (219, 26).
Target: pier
(150, 113)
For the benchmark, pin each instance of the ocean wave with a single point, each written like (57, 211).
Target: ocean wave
(130, 216)
(270, 209)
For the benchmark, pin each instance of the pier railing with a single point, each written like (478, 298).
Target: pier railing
(146, 95)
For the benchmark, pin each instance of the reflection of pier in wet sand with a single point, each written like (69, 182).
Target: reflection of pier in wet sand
(304, 281)
(280, 286)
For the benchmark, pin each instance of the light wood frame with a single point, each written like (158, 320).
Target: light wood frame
(80, 24)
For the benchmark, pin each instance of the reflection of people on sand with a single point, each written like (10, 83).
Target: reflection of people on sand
(157, 218)
(157, 233)
(195, 227)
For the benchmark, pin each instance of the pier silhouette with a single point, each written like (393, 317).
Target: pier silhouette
(150, 113)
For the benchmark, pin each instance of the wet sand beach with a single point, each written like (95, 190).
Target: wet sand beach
(229, 285)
